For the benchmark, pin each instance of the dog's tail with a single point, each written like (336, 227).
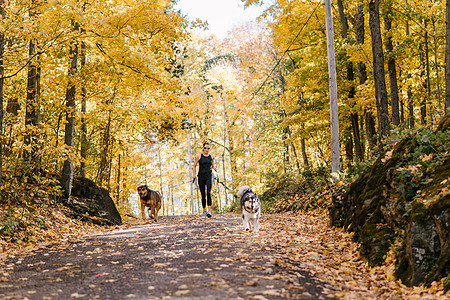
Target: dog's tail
(242, 190)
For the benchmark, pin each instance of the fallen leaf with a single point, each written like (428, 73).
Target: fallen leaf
(77, 295)
(181, 292)
(253, 282)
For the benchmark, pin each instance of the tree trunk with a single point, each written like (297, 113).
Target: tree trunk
(436, 66)
(223, 152)
(118, 180)
(359, 150)
(402, 104)
(160, 178)
(447, 59)
(370, 128)
(361, 129)
(423, 105)
(109, 162)
(411, 110)
(408, 92)
(349, 149)
(191, 175)
(352, 90)
(294, 151)
(2, 68)
(233, 163)
(427, 63)
(359, 28)
(391, 67)
(32, 112)
(305, 157)
(104, 154)
(171, 197)
(69, 131)
(378, 70)
(83, 138)
(287, 162)
(362, 74)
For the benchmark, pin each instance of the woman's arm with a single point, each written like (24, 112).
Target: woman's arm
(213, 164)
(197, 158)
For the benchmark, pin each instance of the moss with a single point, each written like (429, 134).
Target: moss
(376, 240)
(402, 269)
(447, 284)
(439, 174)
(374, 182)
(419, 212)
(444, 124)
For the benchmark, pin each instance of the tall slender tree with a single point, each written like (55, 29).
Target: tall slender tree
(409, 96)
(391, 65)
(427, 64)
(352, 90)
(69, 131)
(106, 141)
(32, 106)
(423, 104)
(447, 59)
(2, 72)
(436, 67)
(378, 69)
(362, 74)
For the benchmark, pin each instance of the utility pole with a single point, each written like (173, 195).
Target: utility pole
(334, 118)
(223, 153)
(190, 166)
(196, 183)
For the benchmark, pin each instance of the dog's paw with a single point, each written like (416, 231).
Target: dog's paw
(247, 229)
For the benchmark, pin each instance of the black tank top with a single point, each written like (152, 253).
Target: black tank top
(205, 164)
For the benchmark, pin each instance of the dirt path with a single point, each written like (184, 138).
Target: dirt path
(191, 258)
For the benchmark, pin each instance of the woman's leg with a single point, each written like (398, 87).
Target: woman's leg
(208, 192)
(202, 187)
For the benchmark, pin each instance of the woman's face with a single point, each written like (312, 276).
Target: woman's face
(206, 148)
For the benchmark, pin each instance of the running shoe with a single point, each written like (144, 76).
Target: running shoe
(204, 214)
(209, 214)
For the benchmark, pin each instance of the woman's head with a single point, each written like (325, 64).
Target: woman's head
(206, 146)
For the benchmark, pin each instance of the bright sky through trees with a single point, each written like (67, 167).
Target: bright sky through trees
(221, 15)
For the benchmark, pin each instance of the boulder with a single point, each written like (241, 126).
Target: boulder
(403, 196)
(92, 203)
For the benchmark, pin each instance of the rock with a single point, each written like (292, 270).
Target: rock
(426, 252)
(93, 203)
(403, 196)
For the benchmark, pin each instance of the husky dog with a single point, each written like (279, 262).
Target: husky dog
(250, 206)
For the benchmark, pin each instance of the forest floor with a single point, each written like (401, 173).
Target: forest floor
(185, 257)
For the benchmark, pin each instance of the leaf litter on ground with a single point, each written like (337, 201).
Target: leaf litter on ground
(305, 241)
(301, 242)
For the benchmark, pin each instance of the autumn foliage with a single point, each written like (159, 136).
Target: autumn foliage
(117, 91)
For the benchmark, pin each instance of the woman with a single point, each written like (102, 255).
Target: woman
(206, 163)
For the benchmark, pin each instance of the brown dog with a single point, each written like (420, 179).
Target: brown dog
(151, 199)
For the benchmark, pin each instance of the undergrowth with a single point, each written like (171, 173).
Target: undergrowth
(306, 191)
(427, 148)
(31, 211)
